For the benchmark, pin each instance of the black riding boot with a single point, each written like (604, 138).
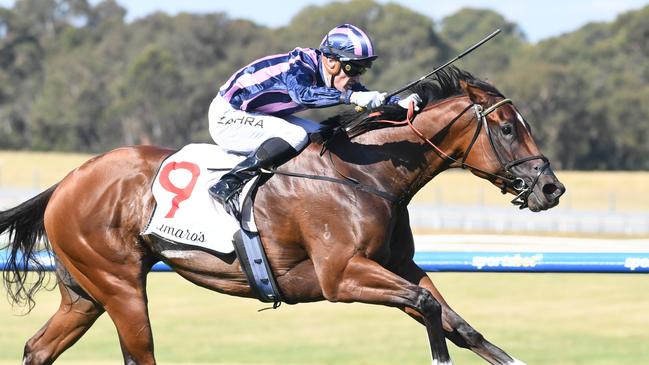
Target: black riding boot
(272, 153)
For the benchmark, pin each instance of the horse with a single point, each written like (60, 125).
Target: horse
(346, 238)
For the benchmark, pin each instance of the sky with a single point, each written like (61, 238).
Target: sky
(538, 19)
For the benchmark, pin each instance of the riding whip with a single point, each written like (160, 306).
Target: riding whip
(466, 52)
(469, 50)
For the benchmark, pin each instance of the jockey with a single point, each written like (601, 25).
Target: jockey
(253, 111)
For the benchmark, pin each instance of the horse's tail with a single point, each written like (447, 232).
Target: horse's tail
(25, 228)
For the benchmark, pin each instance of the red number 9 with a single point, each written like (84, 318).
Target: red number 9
(181, 193)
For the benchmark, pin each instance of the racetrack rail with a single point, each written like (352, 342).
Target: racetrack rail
(505, 253)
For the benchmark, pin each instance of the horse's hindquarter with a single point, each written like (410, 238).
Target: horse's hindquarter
(97, 213)
(101, 207)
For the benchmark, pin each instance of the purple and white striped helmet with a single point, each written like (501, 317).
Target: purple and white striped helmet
(348, 42)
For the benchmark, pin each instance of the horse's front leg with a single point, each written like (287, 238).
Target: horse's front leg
(360, 279)
(455, 327)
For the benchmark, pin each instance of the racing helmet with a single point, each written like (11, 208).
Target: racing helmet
(347, 42)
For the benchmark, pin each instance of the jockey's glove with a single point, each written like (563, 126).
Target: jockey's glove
(368, 99)
(405, 102)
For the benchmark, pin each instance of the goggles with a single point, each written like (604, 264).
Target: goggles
(353, 69)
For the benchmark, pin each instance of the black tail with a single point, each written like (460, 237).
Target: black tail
(25, 227)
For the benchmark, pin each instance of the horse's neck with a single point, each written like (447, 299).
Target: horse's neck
(395, 159)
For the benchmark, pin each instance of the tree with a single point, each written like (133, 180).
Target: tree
(467, 26)
(147, 106)
(75, 76)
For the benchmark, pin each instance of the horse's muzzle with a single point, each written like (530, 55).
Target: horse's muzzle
(546, 193)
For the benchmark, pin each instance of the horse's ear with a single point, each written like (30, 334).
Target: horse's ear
(476, 94)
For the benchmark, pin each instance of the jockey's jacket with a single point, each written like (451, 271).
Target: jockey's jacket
(283, 84)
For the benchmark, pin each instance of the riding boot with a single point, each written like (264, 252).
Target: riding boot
(272, 153)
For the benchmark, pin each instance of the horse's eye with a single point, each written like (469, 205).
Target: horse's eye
(507, 130)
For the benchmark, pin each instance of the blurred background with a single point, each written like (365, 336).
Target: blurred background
(80, 77)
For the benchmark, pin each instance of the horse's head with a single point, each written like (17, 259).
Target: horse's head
(508, 156)
(469, 124)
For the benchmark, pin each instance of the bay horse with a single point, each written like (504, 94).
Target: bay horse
(325, 240)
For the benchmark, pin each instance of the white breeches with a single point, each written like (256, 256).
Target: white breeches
(243, 132)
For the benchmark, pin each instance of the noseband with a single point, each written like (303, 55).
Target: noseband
(509, 180)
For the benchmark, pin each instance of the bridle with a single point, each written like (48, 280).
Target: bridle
(509, 180)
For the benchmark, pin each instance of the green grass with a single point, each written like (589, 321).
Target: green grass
(620, 191)
(558, 319)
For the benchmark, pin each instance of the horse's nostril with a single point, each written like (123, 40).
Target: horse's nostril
(549, 189)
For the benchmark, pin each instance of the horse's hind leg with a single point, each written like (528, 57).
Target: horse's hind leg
(455, 327)
(121, 290)
(124, 299)
(73, 318)
(129, 313)
(116, 279)
(122, 293)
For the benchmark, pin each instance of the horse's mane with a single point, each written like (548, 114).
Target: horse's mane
(442, 85)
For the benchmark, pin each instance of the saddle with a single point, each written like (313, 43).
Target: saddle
(185, 214)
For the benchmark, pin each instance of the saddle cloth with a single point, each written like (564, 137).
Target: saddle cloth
(185, 213)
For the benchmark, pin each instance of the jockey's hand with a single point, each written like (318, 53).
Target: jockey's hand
(405, 103)
(368, 99)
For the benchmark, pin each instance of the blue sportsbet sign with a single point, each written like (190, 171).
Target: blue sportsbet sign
(439, 261)
(534, 262)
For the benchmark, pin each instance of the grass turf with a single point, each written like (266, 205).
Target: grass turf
(558, 319)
